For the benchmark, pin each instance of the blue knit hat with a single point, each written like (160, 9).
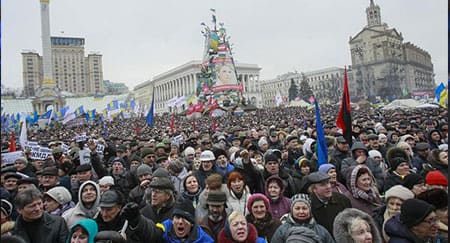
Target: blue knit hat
(326, 167)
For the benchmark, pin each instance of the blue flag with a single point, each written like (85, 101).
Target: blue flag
(151, 111)
(79, 111)
(46, 115)
(322, 150)
(438, 91)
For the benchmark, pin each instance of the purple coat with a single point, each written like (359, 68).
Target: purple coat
(280, 206)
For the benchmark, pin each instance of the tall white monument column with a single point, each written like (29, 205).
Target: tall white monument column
(46, 45)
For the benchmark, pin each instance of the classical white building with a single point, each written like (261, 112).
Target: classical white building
(182, 81)
(326, 84)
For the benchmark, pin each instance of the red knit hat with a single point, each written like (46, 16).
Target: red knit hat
(436, 177)
(258, 196)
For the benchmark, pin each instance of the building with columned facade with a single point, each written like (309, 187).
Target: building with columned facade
(182, 81)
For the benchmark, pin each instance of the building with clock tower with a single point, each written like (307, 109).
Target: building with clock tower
(383, 65)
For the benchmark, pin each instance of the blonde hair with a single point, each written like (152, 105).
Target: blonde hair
(234, 215)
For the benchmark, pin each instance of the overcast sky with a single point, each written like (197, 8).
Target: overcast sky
(140, 39)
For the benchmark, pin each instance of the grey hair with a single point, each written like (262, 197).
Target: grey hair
(26, 197)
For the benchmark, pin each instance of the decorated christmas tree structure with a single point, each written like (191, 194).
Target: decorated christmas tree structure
(218, 86)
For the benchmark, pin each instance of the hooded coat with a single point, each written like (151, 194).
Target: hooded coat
(281, 205)
(80, 212)
(89, 225)
(364, 201)
(344, 220)
(369, 162)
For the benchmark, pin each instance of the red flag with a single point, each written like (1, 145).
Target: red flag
(172, 122)
(344, 119)
(214, 123)
(12, 143)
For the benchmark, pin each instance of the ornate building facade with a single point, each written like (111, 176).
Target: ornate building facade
(182, 81)
(385, 66)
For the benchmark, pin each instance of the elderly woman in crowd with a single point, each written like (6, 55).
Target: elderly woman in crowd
(279, 204)
(394, 200)
(363, 192)
(237, 229)
(354, 225)
(258, 206)
(300, 215)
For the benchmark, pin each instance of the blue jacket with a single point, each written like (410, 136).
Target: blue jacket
(89, 225)
(197, 235)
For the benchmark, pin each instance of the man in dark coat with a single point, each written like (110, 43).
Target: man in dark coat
(114, 214)
(162, 200)
(325, 204)
(35, 225)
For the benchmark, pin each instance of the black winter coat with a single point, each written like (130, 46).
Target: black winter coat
(48, 229)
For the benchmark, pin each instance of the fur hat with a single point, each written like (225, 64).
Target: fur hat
(258, 197)
(395, 156)
(414, 211)
(399, 191)
(437, 197)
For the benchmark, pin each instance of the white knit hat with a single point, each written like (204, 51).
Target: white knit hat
(374, 153)
(399, 191)
(60, 194)
(106, 180)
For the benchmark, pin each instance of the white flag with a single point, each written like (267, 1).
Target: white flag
(23, 133)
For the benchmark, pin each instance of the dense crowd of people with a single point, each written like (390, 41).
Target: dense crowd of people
(251, 177)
